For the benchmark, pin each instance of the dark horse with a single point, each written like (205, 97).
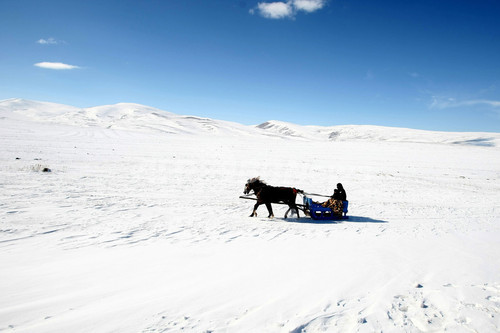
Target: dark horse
(269, 194)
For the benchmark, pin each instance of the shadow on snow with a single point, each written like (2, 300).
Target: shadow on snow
(354, 219)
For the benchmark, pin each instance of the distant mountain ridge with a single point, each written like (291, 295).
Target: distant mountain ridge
(127, 116)
(378, 133)
(137, 117)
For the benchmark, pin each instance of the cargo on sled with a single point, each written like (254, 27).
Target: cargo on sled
(319, 212)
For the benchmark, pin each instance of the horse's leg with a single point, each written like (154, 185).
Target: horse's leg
(297, 210)
(270, 209)
(254, 212)
(290, 207)
(293, 205)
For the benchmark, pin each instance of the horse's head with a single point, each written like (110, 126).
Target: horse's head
(252, 184)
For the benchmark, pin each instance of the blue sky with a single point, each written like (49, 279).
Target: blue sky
(424, 64)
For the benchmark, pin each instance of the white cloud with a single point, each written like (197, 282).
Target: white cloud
(444, 103)
(275, 10)
(47, 41)
(55, 65)
(280, 9)
(309, 5)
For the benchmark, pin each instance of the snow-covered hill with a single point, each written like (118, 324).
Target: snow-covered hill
(127, 116)
(144, 118)
(139, 227)
(377, 133)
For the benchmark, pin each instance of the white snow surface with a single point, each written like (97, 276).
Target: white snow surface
(139, 227)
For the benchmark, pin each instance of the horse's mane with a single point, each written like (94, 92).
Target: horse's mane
(256, 180)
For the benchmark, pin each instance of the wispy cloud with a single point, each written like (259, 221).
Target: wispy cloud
(55, 65)
(369, 75)
(48, 41)
(447, 102)
(495, 104)
(288, 9)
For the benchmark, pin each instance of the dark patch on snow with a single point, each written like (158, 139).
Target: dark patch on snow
(483, 142)
(334, 135)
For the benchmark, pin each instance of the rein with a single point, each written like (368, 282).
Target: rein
(318, 195)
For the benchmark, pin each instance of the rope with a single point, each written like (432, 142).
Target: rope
(318, 195)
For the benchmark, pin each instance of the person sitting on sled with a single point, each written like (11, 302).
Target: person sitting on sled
(342, 194)
(335, 203)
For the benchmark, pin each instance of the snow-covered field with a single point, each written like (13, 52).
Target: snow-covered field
(139, 228)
